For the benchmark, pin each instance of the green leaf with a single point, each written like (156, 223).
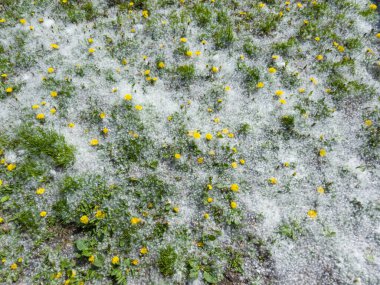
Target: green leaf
(194, 274)
(86, 253)
(4, 199)
(210, 278)
(99, 261)
(193, 263)
(81, 244)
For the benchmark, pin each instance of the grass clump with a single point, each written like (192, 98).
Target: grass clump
(285, 46)
(287, 122)
(202, 15)
(38, 141)
(224, 36)
(250, 49)
(167, 260)
(251, 76)
(292, 230)
(185, 72)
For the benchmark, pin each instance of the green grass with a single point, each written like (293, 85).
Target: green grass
(224, 36)
(291, 230)
(166, 261)
(285, 46)
(202, 15)
(250, 49)
(251, 76)
(185, 73)
(40, 142)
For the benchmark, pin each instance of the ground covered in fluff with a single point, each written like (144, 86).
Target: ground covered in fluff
(189, 142)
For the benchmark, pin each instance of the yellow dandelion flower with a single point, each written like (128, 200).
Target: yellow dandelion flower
(94, 142)
(183, 40)
(144, 250)
(272, 180)
(312, 214)
(208, 136)
(260, 85)
(84, 219)
(214, 69)
(128, 97)
(9, 90)
(135, 220)
(233, 205)
(279, 92)
(135, 262)
(91, 259)
(53, 93)
(177, 156)
(313, 80)
(373, 6)
(91, 50)
(100, 214)
(272, 70)
(11, 166)
(209, 200)
(54, 46)
(40, 116)
(115, 260)
(322, 152)
(161, 65)
(196, 135)
(145, 13)
(23, 21)
(13, 266)
(71, 125)
(189, 53)
(206, 216)
(43, 214)
(234, 187)
(320, 190)
(368, 123)
(138, 107)
(40, 191)
(319, 57)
